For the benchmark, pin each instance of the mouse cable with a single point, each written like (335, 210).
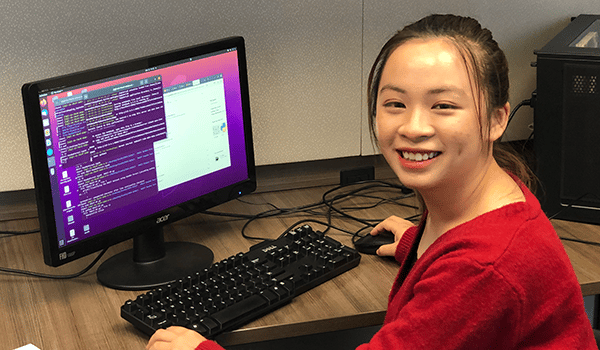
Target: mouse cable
(356, 235)
(56, 277)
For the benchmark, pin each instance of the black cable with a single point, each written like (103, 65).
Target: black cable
(577, 240)
(18, 233)
(382, 201)
(527, 102)
(275, 211)
(570, 204)
(57, 277)
(357, 235)
(325, 202)
(368, 185)
(297, 223)
(368, 223)
(6, 234)
(526, 141)
(531, 102)
(328, 203)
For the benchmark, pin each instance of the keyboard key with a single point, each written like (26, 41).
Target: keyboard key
(211, 325)
(239, 310)
(269, 296)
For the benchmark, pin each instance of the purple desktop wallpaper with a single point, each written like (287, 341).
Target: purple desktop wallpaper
(85, 212)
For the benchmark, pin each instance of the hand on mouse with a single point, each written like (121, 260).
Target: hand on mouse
(395, 225)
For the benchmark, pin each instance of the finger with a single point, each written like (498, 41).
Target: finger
(177, 330)
(397, 226)
(385, 225)
(387, 249)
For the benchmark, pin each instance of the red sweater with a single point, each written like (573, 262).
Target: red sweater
(499, 281)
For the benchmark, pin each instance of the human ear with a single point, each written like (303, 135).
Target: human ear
(499, 122)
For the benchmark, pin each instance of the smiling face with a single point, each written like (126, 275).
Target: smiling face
(428, 123)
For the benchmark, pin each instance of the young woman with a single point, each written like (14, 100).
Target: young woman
(484, 269)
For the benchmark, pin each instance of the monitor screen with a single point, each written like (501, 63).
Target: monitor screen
(119, 151)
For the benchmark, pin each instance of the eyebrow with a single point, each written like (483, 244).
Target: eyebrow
(393, 88)
(436, 91)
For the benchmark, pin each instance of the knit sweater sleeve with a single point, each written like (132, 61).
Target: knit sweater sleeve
(209, 345)
(456, 304)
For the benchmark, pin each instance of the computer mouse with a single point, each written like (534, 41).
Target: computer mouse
(369, 244)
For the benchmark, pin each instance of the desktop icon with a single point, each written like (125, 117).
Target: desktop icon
(44, 112)
(43, 102)
(49, 152)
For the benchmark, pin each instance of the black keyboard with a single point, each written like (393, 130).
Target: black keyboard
(243, 287)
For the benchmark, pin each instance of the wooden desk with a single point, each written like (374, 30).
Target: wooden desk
(585, 258)
(82, 314)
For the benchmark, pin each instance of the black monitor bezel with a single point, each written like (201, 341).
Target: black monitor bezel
(55, 255)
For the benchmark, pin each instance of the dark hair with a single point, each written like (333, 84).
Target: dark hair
(485, 63)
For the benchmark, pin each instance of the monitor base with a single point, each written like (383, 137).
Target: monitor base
(181, 259)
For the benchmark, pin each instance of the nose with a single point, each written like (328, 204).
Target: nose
(417, 126)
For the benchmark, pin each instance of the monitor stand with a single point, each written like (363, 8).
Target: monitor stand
(153, 262)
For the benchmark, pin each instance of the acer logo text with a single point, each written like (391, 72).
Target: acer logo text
(162, 218)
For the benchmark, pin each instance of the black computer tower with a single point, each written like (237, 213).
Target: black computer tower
(567, 122)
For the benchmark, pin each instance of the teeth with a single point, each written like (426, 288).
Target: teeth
(418, 157)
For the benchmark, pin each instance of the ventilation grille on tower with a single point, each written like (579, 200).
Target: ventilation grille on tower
(585, 84)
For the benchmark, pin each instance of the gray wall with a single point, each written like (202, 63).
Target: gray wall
(308, 59)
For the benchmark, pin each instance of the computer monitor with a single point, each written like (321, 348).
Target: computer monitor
(118, 152)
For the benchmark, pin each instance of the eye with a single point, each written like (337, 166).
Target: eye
(394, 104)
(444, 106)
